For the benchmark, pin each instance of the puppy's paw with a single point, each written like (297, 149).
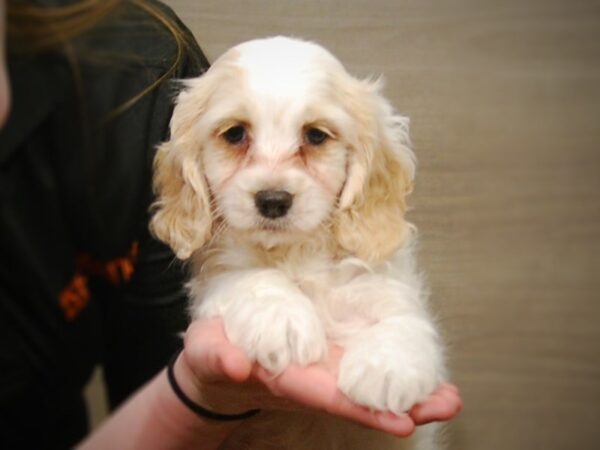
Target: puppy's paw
(276, 329)
(386, 378)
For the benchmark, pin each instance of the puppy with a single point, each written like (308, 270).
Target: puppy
(284, 183)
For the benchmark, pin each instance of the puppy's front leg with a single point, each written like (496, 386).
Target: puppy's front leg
(396, 360)
(266, 315)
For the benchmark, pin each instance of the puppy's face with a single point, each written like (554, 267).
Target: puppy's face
(276, 140)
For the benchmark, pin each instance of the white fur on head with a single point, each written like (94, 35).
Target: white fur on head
(275, 88)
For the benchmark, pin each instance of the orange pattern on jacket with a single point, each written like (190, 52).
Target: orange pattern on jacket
(75, 296)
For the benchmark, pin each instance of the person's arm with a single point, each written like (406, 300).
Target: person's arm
(154, 418)
(217, 375)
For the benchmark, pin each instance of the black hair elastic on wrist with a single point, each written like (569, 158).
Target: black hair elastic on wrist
(202, 412)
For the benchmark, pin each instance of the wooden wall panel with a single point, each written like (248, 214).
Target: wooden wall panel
(504, 98)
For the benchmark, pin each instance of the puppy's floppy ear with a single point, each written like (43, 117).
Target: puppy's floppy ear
(370, 222)
(182, 216)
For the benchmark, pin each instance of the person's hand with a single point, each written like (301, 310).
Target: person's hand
(220, 377)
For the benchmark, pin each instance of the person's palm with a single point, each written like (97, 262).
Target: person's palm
(231, 383)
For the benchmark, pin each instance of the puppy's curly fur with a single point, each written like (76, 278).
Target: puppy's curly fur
(284, 183)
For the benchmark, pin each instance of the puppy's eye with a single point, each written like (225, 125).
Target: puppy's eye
(314, 136)
(235, 135)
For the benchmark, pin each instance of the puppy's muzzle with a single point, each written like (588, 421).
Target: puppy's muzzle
(273, 204)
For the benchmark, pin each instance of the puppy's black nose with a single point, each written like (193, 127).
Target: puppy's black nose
(273, 204)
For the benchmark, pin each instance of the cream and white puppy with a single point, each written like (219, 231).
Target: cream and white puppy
(284, 182)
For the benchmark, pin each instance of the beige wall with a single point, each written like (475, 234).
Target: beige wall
(504, 97)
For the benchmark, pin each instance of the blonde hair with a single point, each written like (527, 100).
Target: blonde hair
(32, 28)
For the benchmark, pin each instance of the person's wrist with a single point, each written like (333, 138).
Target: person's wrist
(176, 419)
(196, 394)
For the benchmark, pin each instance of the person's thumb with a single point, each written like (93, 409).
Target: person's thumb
(211, 356)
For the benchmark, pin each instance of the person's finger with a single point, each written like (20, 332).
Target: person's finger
(210, 354)
(451, 387)
(316, 388)
(444, 404)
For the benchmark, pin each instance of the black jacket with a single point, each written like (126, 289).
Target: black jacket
(81, 280)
